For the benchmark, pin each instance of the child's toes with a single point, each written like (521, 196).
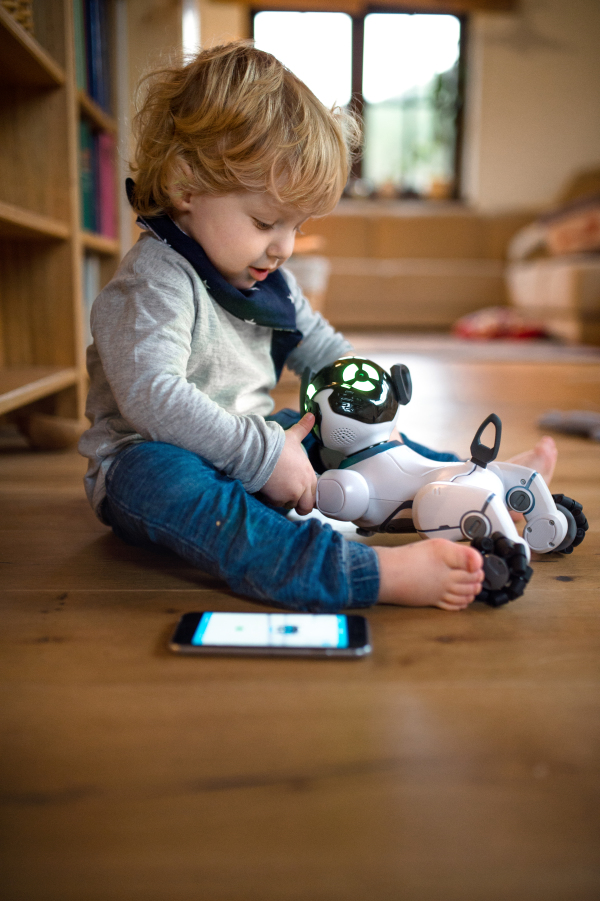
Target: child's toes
(454, 602)
(462, 557)
(474, 560)
(465, 590)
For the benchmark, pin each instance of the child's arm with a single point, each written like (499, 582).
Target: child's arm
(142, 327)
(321, 344)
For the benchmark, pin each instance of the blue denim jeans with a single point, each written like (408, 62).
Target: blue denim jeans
(160, 494)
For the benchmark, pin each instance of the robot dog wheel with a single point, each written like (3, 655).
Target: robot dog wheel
(506, 569)
(576, 520)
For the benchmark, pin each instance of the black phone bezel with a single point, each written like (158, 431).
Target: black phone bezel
(358, 639)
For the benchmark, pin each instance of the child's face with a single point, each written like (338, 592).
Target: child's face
(244, 235)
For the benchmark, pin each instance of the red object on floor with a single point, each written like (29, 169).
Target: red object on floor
(497, 322)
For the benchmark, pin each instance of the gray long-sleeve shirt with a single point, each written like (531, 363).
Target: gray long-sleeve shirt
(169, 364)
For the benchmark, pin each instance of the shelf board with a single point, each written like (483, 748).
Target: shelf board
(108, 247)
(21, 385)
(22, 60)
(98, 118)
(15, 222)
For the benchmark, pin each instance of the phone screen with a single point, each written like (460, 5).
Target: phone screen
(279, 634)
(268, 630)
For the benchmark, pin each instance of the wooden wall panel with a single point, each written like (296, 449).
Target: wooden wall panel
(345, 236)
(413, 265)
(440, 237)
(375, 296)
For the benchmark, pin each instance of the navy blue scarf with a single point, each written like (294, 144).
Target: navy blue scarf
(268, 304)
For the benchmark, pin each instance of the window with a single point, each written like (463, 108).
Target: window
(317, 47)
(404, 73)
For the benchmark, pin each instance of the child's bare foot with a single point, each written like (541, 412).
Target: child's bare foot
(430, 573)
(542, 458)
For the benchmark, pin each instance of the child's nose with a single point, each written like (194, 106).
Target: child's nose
(282, 246)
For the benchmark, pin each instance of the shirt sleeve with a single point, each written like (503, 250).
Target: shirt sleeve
(142, 327)
(321, 344)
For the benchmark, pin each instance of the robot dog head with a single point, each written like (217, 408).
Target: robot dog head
(355, 402)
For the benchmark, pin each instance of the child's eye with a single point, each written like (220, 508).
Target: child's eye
(263, 226)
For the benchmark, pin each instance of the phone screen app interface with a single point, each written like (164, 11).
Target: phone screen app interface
(263, 630)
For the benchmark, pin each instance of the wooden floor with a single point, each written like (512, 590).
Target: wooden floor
(460, 762)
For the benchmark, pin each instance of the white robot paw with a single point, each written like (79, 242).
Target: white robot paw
(342, 494)
(547, 532)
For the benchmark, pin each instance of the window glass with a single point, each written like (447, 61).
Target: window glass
(317, 47)
(410, 87)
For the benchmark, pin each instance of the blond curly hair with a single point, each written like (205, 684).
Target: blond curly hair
(234, 118)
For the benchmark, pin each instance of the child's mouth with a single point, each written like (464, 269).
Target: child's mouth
(258, 274)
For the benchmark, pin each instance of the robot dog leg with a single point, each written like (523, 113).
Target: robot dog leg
(477, 513)
(554, 522)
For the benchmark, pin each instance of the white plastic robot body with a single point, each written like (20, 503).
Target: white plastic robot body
(372, 488)
(377, 482)
(451, 500)
(459, 511)
(384, 486)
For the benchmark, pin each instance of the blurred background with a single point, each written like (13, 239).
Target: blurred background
(481, 122)
(472, 212)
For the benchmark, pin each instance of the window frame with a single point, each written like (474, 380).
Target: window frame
(357, 101)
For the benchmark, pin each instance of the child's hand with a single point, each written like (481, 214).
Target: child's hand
(293, 482)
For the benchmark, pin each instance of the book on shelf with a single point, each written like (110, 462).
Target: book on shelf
(90, 291)
(80, 52)
(106, 203)
(97, 176)
(92, 50)
(87, 180)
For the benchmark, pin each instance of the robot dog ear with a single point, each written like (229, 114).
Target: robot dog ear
(402, 383)
(307, 377)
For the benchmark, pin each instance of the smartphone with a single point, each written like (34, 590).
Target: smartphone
(272, 634)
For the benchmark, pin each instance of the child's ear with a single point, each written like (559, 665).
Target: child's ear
(181, 195)
(181, 199)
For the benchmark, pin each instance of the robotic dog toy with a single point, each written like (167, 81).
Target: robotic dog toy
(385, 486)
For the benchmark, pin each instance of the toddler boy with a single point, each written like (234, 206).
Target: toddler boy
(233, 154)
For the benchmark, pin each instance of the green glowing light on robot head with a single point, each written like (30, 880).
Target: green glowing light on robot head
(350, 372)
(363, 386)
(311, 391)
(370, 370)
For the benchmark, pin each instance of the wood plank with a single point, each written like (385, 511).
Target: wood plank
(95, 114)
(16, 222)
(410, 293)
(23, 60)
(73, 311)
(100, 244)
(21, 385)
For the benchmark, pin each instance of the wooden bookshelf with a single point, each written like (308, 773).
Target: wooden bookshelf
(20, 385)
(42, 241)
(24, 224)
(23, 60)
